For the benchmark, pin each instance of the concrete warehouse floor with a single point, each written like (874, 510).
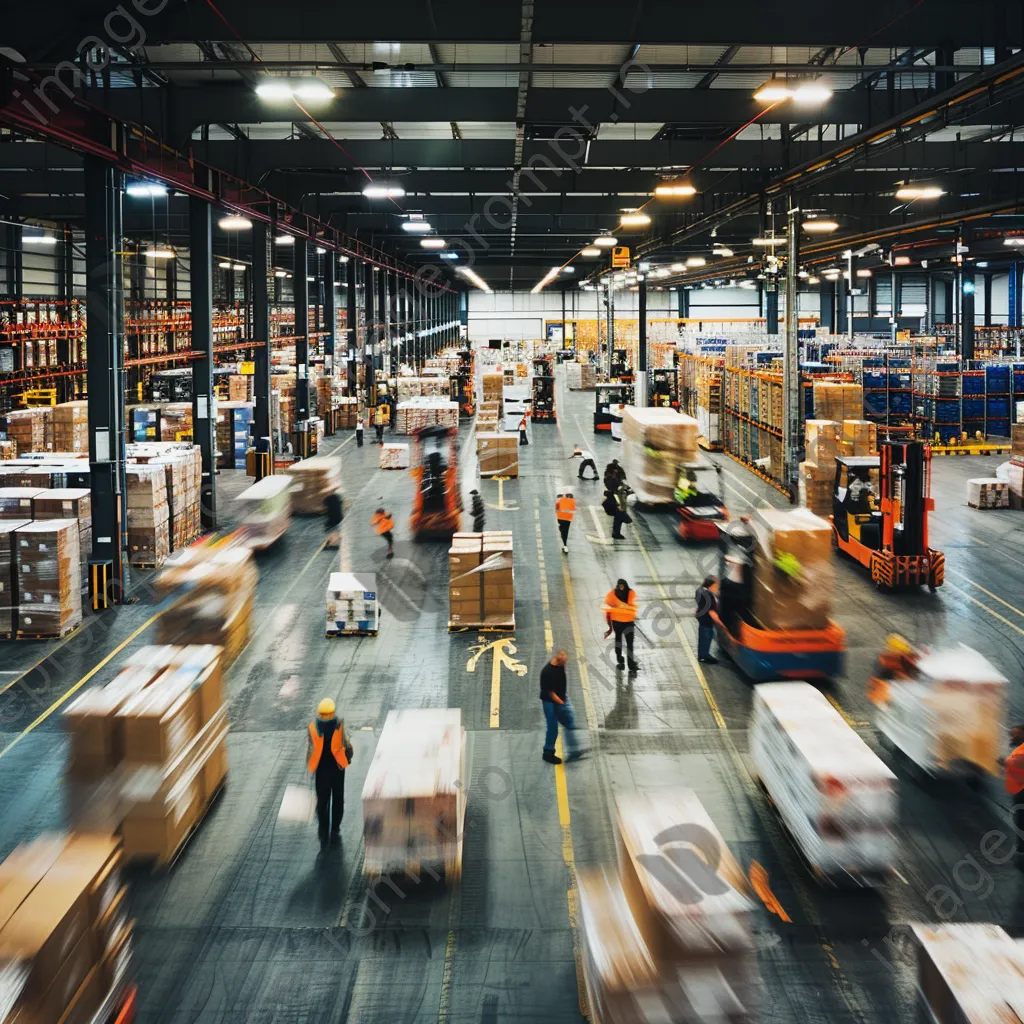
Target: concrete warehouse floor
(250, 926)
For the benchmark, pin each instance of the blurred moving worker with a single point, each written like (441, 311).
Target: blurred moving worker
(558, 710)
(384, 523)
(335, 513)
(359, 432)
(329, 754)
(1014, 766)
(477, 511)
(587, 460)
(379, 427)
(565, 509)
(706, 603)
(622, 516)
(523, 439)
(614, 475)
(620, 613)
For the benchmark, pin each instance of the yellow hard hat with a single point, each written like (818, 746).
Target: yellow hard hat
(897, 644)
(325, 709)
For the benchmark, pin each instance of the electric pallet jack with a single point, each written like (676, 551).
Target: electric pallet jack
(880, 506)
(437, 504)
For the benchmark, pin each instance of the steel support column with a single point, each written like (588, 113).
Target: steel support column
(827, 305)
(300, 295)
(66, 291)
(261, 235)
(1013, 295)
(351, 322)
(967, 325)
(640, 391)
(383, 339)
(987, 285)
(200, 227)
(684, 303)
(369, 298)
(791, 432)
(104, 303)
(771, 304)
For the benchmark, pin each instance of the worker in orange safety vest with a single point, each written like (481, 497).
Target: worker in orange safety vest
(565, 509)
(1014, 769)
(329, 754)
(385, 524)
(620, 613)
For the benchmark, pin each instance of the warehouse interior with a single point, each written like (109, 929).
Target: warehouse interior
(312, 318)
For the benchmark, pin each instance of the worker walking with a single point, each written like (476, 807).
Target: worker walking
(621, 513)
(1014, 768)
(706, 603)
(335, 514)
(359, 432)
(523, 439)
(587, 461)
(329, 754)
(385, 525)
(565, 510)
(379, 426)
(619, 609)
(614, 475)
(477, 511)
(558, 710)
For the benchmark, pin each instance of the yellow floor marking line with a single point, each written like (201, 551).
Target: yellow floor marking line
(851, 722)
(599, 526)
(444, 1010)
(978, 586)
(994, 614)
(501, 506)
(502, 651)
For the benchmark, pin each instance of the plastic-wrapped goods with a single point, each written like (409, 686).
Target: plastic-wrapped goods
(816, 485)
(267, 506)
(16, 502)
(414, 796)
(491, 387)
(949, 714)
(64, 928)
(352, 606)
(240, 389)
(481, 588)
(148, 515)
(656, 443)
(9, 574)
(838, 401)
(394, 455)
(417, 413)
(833, 793)
(498, 454)
(988, 492)
(859, 438)
(49, 577)
(69, 503)
(793, 570)
(487, 416)
(822, 440)
(31, 429)
(71, 427)
(969, 973)
(313, 480)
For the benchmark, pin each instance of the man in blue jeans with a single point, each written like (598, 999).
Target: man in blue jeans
(558, 710)
(705, 598)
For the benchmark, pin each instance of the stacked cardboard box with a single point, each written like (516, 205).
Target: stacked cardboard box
(414, 796)
(219, 585)
(417, 413)
(182, 465)
(1012, 472)
(176, 421)
(8, 449)
(9, 575)
(352, 605)
(49, 577)
(793, 572)
(988, 493)
(744, 356)
(65, 936)
(656, 443)
(394, 455)
(149, 541)
(498, 454)
(580, 376)
(16, 502)
(487, 416)
(838, 401)
(313, 479)
(1017, 438)
(481, 588)
(69, 503)
(654, 948)
(148, 751)
(241, 388)
(71, 427)
(859, 438)
(492, 385)
(822, 442)
(346, 412)
(31, 429)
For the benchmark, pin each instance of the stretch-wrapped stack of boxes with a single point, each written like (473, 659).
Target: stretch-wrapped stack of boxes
(8, 450)
(313, 480)
(219, 586)
(656, 442)
(267, 511)
(240, 389)
(148, 751)
(580, 376)
(817, 474)
(414, 387)
(69, 503)
(793, 572)
(983, 492)
(71, 427)
(481, 582)
(417, 413)
(491, 387)
(65, 934)
(653, 949)
(49, 577)
(149, 537)
(9, 575)
(838, 401)
(346, 412)
(182, 466)
(352, 606)
(1016, 439)
(414, 796)
(498, 454)
(487, 416)
(31, 429)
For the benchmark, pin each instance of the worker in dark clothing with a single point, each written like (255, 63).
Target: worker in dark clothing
(359, 432)
(706, 603)
(614, 475)
(558, 710)
(477, 511)
(379, 427)
(335, 514)
(1014, 769)
(329, 754)
(622, 516)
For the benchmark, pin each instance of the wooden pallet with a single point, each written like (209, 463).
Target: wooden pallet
(503, 627)
(350, 632)
(21, 635)
(987, 508)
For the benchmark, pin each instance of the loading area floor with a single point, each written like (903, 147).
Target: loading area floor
(252, 926)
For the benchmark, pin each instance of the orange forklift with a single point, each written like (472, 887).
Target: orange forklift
(880, 506)
(437, 503)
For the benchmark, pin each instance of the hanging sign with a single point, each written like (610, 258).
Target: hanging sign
(247, 369)
(620, 256)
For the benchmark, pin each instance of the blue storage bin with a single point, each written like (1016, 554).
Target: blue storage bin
(973, 384)
(997, 379)
(974, 409)
(874, 378)
(946, 434)
(998, 428)
(999, 409)
(874, 403)
(899, 379)
(900, 403)
(947, 412)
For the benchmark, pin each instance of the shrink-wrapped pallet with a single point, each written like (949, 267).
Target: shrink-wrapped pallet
(352, 606)
(988, 492)
(838, 401)
(49, 577)
(481, 588)
(656, 443)
(416, 413)
(835, 796)
(313, 479)
(9, 574)
(267, 511)
(492, 385)
(414, 796)
(815, 486)
(69, 503)
(8, 449)
(31, 429)
(16, 502)
(822, 442)
(148, 515)
(394, 455)
(71, 427)
(1017, 438)
(498, 453)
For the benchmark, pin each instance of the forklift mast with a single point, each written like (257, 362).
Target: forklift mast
(905, 499)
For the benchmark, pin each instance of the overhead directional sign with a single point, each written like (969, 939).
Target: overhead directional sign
(620, 256)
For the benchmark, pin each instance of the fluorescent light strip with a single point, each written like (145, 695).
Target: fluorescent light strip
(474, 277)
(233, 222)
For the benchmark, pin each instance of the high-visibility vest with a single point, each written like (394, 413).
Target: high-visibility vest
(1015, 771)
(620, 611)
(565, 508)
(317, 748)
(384, 523)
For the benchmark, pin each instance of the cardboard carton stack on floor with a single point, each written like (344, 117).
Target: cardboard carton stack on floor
(65, 935)
(1017, 438)
(838, 401)
(313, 479)
(267, 511)
(219, 585)
(793, 572)
(176, 421)
(352, 605)
(149, 538)
(417, 413)
(69, 503)
(241, 388)
(492, 387)
(31, 429)
(822, 443)
(148, 751)
(481, 588)
(487, 416)
(8, 449)
(16, 502)
(859, 438)
(414, 796)
(49, 577)
(656, 442)
(346, 412)
(988, 492)
(71, 427)
(182, 465)
(9, 575)
(580, 376)
(654, 948)
(498, 454)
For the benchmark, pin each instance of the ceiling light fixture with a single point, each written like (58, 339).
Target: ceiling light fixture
(820, 227)
(284, 240)
(1015, 241)
(590, 250)
(224, 264)
(233, 222)
(37, 236)
(281, 90)
(863, 273)
(156, 253)
(901, 261)
(911, 192)
(677, 268)
(634, 220)
(805, 94)
(280, 273)
(605, 241)
(544, 281)
(140, 189)
(320, 250)
(433, 243)
(416, 225)
(238, 266)
(768, 241)
(813, 280)
(696, 261)
(772, 92)
(721, 250)
(674, 191)
(811, 93)
(383, 191)
(449, 255)
(474, 277)
(568, 270)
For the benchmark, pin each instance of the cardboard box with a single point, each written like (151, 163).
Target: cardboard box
(158, 722)
(115, 965)
(159, 837)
